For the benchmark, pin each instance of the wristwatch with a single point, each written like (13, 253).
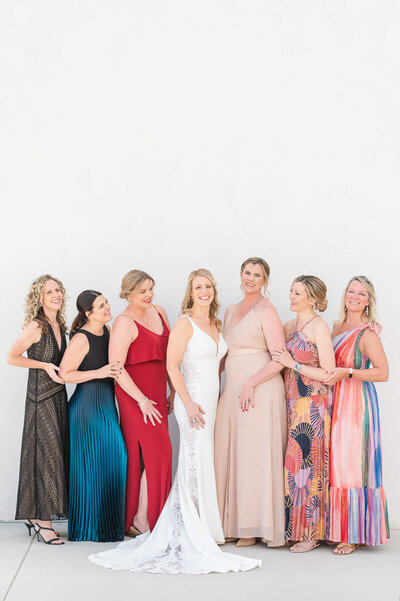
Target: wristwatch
(350, 372)
(297, 367)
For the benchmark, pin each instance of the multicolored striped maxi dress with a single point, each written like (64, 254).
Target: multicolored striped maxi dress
(357, 499)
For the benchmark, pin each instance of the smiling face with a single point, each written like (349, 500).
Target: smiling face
(252, 278)
(356, 298)
(100, 310)
(52, 296)
(299, 299)
(202, 291)
(143, 296)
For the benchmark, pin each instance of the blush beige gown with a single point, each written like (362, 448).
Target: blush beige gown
(250, 445)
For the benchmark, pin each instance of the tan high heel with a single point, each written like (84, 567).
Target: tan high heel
(246, 542)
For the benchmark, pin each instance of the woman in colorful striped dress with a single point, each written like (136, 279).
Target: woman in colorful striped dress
(358, 503)
(308, 356)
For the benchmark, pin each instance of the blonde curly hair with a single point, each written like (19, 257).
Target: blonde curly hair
(187, 302)
(34, 304)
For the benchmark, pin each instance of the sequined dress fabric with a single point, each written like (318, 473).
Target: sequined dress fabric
(42, 489)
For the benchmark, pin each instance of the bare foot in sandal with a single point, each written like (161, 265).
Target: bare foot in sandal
(304, 546)
(345, 548)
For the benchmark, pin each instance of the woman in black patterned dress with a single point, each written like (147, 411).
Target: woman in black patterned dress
(42, 490)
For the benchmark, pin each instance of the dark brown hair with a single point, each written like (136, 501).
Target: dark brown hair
(84, 303)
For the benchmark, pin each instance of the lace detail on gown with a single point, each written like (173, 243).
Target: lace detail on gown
(182, 541)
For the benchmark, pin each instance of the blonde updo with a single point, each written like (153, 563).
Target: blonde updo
(262, 263)
(187, 302)
(34, 304)
(315, 289)
(132, 281)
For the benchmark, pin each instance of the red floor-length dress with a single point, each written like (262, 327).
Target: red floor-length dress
(146, 365)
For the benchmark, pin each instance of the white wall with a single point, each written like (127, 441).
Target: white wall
(172, 135)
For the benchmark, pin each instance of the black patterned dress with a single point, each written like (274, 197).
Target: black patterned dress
(42, 489)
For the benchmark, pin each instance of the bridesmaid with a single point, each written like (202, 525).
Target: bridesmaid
(139, 342)
(358, 503)
(250, 432)
(308, 405)
(42, 489)
(98, 454)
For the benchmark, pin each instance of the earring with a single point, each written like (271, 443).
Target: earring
(345, 308)
(366, 311)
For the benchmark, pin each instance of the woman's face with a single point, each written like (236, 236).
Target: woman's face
(142, 298)
(52, 296)
(252, 278)
(100, 310)
(202, 291)
(299, 299)
(356, 298)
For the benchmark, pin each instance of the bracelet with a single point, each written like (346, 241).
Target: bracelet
(350, 372)
(143, 402)
(297, 367)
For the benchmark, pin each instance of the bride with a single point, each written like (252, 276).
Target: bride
(185, 538)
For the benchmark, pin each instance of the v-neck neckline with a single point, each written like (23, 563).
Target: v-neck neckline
(208, 335)
(243, 318)
(59, 347)
(148, 329)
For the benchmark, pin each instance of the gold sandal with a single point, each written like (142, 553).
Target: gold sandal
(350, 546)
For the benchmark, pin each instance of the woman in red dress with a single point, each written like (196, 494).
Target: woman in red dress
(139, 341)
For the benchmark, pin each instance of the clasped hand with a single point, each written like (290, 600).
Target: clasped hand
(283, 357)
(336, 374)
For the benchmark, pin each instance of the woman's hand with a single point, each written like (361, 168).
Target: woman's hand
(170, 402)
(111, 370)
(195, 415)
(246, 397)
(150, 412)
(51, 370)
(334, 375)
(283, 357)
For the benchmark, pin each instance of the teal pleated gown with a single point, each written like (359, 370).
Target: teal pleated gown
(98, 460)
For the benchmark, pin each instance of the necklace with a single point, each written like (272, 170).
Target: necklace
(248, 307)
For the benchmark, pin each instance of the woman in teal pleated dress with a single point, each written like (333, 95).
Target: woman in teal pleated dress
(98, 454)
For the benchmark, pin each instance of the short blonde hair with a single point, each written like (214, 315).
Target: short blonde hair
(34, 304)
(372, 309)
(315, 289)
(132, 281)
(187, 302)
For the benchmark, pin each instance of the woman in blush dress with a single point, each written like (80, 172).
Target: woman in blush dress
(358, 503)
(308, 403)
(98, 454)
(185, 537)
(138, 342)
(42, 489)
(250, 431)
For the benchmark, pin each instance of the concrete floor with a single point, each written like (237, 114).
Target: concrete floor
(36, 572)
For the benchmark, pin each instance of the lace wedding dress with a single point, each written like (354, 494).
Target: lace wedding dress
(184, 540)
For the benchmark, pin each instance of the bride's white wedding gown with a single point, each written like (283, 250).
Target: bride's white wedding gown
(185, 536)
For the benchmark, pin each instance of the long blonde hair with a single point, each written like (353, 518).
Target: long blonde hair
(34, 304)
(187, 302)
(372, 310)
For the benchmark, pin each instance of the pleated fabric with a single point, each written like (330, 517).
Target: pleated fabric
(98, 465)
(358, 504)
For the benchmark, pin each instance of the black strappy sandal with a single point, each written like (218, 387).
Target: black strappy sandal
(51, 541)
(29, 524)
